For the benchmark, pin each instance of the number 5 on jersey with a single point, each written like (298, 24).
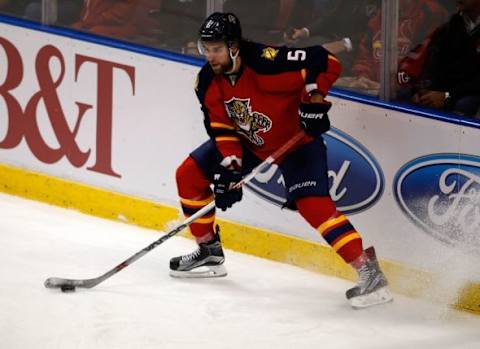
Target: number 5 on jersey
(297, 55)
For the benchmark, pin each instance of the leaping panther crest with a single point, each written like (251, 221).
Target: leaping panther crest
(247, 122)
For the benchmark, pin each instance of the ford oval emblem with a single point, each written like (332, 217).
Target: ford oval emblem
(356, 180)
(441, 194)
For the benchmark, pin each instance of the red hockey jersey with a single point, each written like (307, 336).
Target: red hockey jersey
(258, 108)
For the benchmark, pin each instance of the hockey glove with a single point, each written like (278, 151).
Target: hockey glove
(314, 117)
(223, 180)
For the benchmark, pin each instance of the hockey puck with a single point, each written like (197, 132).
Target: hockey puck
(67, 288)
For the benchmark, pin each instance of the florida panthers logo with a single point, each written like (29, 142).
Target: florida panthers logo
(248, 123)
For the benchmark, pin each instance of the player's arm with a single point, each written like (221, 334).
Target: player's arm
(219, 126)
(317, 66)
(321, 71)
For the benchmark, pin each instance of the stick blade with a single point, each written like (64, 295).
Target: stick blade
(55, 282)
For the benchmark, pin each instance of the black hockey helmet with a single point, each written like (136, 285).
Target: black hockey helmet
(221, 27)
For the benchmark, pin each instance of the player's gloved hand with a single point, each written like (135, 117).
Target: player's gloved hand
(314, 117)
(223, 180)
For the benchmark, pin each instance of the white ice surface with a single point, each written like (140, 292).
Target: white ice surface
(260, 304)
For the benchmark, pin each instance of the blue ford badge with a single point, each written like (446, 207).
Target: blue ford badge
(355, 178)
(441, 194)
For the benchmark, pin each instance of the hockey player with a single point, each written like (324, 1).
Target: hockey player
(255, 98)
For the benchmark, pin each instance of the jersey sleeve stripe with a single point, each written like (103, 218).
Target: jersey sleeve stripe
(223, 132)
(227, 139)
(333, 58)
(217, 125)
(304, 74)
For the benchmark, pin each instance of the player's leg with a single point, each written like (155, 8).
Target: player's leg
(193, 183)
(306, 180)
(337, 230)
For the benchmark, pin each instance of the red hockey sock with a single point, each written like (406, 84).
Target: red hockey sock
(195, 193)
(334, 226)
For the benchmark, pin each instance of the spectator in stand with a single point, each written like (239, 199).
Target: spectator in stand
(68, 11)
(417, 18)
(267, 21)
(449, 5)
(13, 7)
(116, 18)
(4, 4)
(149, 29)
(336, 24)
(450, 79)
(177, 24)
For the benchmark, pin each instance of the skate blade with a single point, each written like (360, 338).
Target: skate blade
(212, 271)
(378, 297)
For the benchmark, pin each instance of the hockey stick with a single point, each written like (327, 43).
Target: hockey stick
(71, 284)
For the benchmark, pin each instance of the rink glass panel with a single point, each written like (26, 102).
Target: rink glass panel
(369, 67)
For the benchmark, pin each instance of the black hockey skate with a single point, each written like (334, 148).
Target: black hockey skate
(371, 288)
(206, 261)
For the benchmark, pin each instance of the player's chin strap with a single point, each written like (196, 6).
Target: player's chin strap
(234, 58)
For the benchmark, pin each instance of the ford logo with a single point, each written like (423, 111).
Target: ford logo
(441, 194)
(355, 179)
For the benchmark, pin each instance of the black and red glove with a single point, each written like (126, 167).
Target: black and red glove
(314, 118)
(223, 180)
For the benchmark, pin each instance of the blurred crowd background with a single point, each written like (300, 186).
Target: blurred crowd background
(432, 61)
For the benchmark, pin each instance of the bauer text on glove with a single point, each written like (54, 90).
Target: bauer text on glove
(314, 118)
